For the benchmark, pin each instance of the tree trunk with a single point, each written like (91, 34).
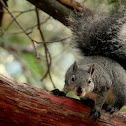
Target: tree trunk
(24, 105)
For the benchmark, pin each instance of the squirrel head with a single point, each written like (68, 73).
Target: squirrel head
(79, 79)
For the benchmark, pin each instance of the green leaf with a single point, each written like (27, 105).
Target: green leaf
(72, 95)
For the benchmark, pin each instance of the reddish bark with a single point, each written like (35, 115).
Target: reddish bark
(72, 4)
(75, 5)
(21, 104)
(60, 9)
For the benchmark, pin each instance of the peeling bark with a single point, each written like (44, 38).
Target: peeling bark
(53, 8)
(22, 104)
(60, 9)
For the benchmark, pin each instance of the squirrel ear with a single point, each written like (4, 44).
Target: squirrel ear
(91, 69)
(75, 66)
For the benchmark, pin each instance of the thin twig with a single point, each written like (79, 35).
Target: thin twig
(47, 53)
(32, 26)
(33, 43)
(47, 42)
(46, 19)
(20, 13)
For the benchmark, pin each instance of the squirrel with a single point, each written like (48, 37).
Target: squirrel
(101, 74)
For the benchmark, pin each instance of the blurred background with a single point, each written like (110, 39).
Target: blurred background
(17, 58)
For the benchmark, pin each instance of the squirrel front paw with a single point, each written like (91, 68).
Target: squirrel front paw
(57, 92)
(96, 114)
(111, 109)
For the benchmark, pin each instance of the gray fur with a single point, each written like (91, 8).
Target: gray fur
(108, 82)
(107, 73)
(102, 43)
(101, 35)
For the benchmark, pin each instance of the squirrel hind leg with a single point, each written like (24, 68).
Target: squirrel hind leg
(111, 109)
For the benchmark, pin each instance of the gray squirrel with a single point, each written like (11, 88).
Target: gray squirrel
(101, 74)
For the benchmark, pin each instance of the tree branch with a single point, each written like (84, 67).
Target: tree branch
(59, 9)
(72, 4)
(22, 104)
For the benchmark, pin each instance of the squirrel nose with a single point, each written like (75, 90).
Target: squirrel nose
(79, 90)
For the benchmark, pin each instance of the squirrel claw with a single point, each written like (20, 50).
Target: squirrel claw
(111, 109)
(96, 114)
(58, 92)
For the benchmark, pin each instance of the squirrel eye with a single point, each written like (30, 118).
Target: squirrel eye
(73, 78)
(89, 81)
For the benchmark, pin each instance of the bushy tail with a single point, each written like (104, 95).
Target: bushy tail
(101, 35)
